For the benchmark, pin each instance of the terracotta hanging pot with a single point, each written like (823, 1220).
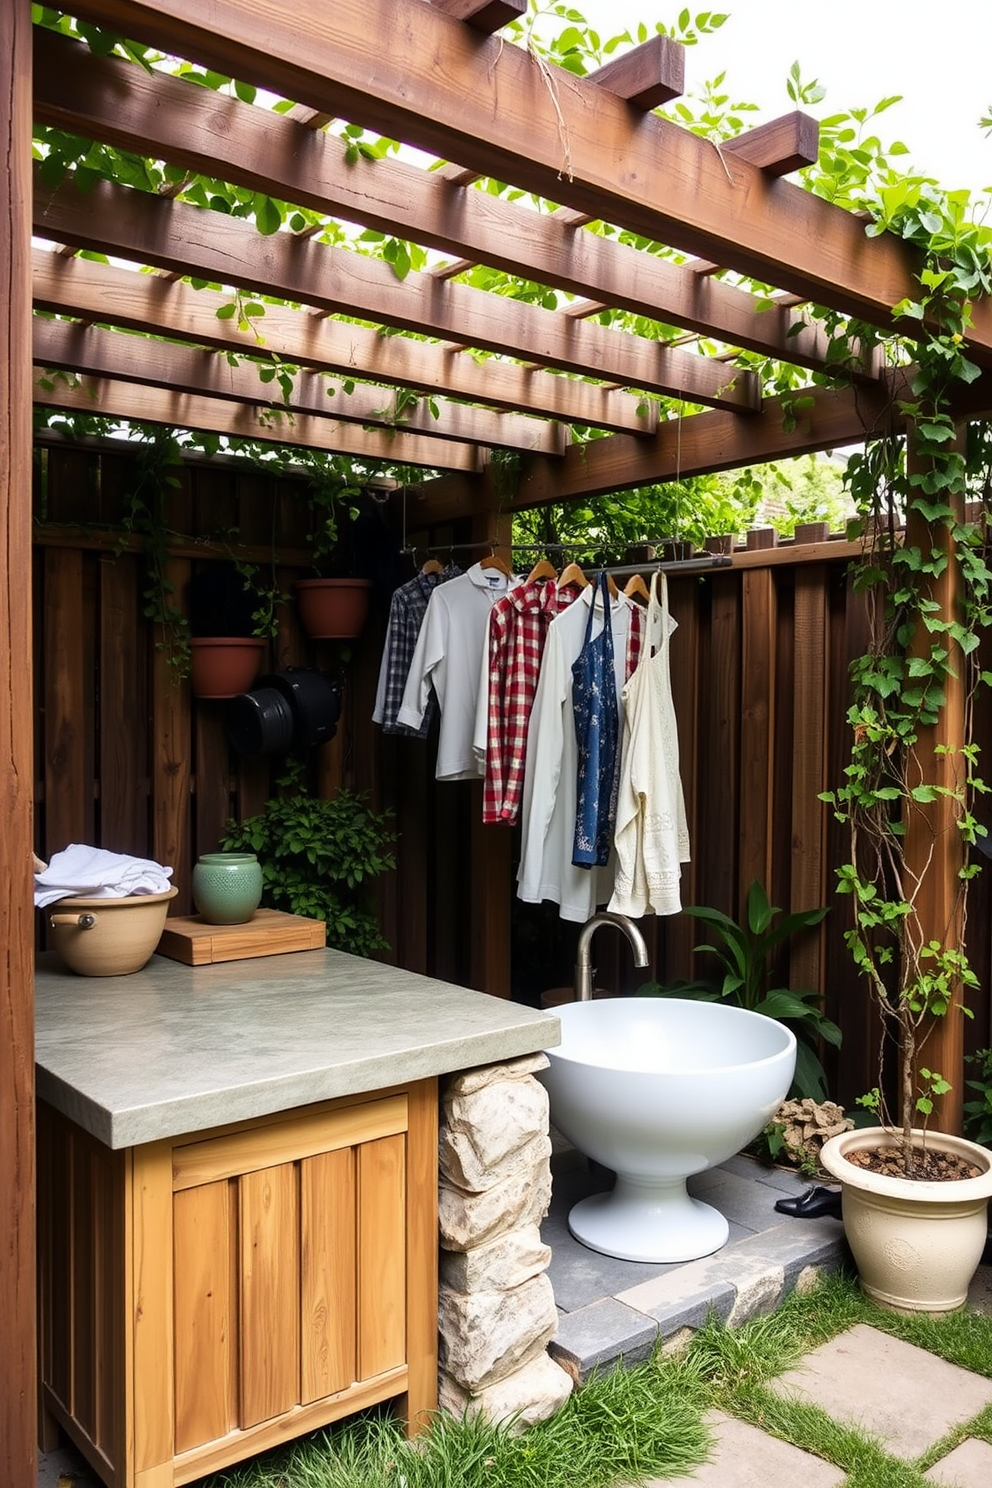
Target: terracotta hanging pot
(333, 609)
(224, 666)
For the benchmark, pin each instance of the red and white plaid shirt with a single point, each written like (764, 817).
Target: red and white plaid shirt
(518, 628)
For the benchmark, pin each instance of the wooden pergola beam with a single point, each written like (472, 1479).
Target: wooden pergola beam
(119, 103)
(173, 235)
(73, 346)
(145, 302)
(493, 109)
(128, 400)
(484, 15)
(650, 75)
(697, 445)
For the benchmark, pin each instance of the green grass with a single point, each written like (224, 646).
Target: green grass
(648, 1421)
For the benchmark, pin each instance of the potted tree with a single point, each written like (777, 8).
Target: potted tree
(908, 791)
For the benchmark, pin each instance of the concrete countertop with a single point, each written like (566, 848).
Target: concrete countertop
(175, 1049)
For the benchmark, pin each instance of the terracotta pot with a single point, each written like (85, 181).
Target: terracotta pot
(333, 609)
(224, 666)
(916, 1245)
(108, 937)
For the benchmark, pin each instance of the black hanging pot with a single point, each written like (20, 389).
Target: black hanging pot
(291, 710)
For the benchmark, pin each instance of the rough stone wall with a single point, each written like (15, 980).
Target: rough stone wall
(497, 1311)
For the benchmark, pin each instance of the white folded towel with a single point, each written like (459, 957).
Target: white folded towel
(97, 874)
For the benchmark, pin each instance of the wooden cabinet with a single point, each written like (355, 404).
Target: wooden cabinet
(206, 1297)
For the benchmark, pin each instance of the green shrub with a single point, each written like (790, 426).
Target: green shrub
(318, 859)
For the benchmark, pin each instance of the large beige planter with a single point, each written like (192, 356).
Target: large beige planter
(916, 1245)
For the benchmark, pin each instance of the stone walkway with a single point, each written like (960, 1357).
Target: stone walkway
(904, 1398)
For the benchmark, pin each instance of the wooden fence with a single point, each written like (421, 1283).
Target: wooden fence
(127, 760)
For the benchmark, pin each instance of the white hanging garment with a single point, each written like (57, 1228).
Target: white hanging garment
(549, 801)
(652, 835)
(449, 655)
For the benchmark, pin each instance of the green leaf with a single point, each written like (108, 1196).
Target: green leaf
(268, 217)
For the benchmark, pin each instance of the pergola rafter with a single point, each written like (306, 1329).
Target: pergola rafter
(495, 110)
(73, 346)
(157, 405)
(115, 101)
(164, 306)
(170, 234)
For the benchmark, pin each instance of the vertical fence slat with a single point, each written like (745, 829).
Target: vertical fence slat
(212, 799)
(170, 762)
(720, 748)
(759, 621)
(68, 784)
(123, 711)
(809, 758)
(679, 932)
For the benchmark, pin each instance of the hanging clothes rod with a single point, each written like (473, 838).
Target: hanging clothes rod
(700, 565)
(673, 566)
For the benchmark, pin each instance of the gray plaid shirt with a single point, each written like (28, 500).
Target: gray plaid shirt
(406, 615)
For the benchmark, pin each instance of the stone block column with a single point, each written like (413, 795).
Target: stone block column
(497, 1311)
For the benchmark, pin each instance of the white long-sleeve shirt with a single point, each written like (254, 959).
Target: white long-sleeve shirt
(449, 654)
(652, 837)
(549, 802)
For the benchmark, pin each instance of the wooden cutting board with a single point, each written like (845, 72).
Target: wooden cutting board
(269, 932)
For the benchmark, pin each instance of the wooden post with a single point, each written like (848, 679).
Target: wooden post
(492, 886)
(18, 1386)
(933, 845)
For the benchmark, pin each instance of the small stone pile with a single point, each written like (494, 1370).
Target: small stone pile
(807, 1124)
(497, 1309)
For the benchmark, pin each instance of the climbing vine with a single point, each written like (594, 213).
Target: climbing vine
(925, 512)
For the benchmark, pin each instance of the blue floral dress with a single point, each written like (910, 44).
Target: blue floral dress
(597, 732)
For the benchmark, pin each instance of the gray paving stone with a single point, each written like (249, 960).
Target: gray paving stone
(785, 1180)
(968, 1466)
(764, 1262)
(901, 1395)
(597, 1336)
(748, 1204)
(745, 1457)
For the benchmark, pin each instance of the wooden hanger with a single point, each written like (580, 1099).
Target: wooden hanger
(432, 566)
(573, 574)
(495, 561)
(635, 588)
(542, 570)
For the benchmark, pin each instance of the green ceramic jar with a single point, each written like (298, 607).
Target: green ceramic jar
(227, 887)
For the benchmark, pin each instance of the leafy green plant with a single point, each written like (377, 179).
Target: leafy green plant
(909, 789)
(318, 859)
(978, 1113)
(746, 953)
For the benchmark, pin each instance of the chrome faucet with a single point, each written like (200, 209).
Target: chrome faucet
(583, 963)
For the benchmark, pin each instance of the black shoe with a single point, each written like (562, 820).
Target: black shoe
(813, 1204)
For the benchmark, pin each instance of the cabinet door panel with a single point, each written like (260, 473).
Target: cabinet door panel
(270, 1292)
(205, 1313)
(328, 1292)
(381, 1255)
